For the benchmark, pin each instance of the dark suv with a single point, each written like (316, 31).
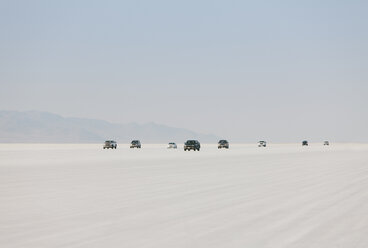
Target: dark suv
(305, 143)
(192, 145)
(262, 143)
(223, 144)
(135, 144)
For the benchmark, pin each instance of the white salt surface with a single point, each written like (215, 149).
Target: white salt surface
(278, 196)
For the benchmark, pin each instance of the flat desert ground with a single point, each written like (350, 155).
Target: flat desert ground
(284, 195)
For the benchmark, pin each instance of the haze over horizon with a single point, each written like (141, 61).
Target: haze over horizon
(238, 69)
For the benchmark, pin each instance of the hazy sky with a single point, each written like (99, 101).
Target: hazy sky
(243, 70)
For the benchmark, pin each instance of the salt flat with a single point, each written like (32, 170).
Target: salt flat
(55, 195)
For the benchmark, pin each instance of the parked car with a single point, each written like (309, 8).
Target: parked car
(110, 144)
(305, 143)
(135, 144)
(192, 145)
(326, 143)
(172, 145)
(223, 144)
(262, 143)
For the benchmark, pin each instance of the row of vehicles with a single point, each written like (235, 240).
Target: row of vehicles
(191, 144)
(188, 145)
(111, 144)
(305, 143)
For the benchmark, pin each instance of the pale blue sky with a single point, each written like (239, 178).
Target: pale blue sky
(244, 70)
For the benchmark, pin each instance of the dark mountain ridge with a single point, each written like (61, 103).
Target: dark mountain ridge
(44, 127)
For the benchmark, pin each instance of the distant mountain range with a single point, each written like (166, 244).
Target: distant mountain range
(43, 127)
